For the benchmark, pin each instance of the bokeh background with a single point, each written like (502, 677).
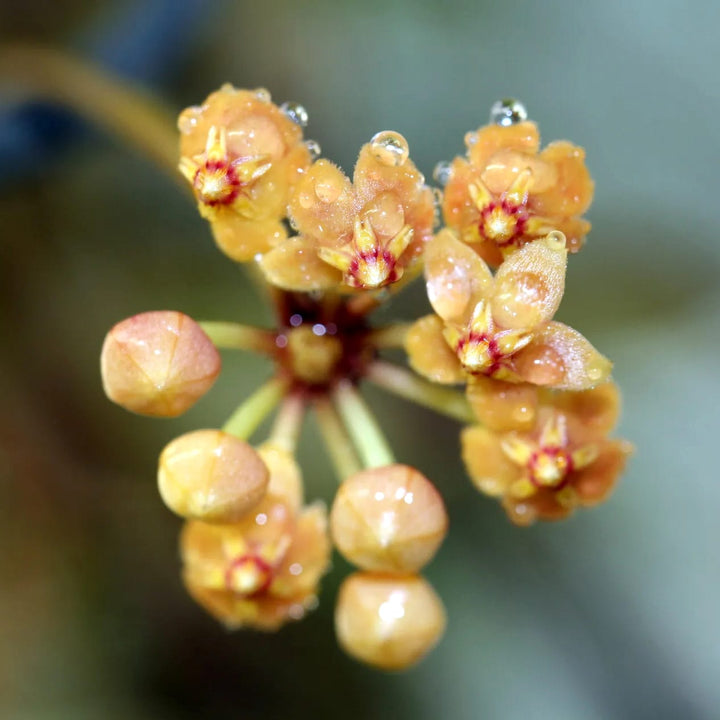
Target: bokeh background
(614, 614)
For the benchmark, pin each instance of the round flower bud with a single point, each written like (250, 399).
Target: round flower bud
(158, 363)
(388, 519)
(389, 622)
(212, 476)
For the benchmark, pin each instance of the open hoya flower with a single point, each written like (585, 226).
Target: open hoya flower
(264, 569)
(501, 326)
(361, 234)
(242, 155)
(505, 193)
(565, 461)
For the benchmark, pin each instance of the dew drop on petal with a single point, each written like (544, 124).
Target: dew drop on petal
(188, 119)
(507, 111)
(390, 148)
(471, 138)
(442, 172)
(296, 611)
(263, 95)
(314, 148)
(295, 112)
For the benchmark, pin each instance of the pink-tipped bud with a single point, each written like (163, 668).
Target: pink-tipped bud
(212, 476)
(390, 622)
(158, 363)
(388, 519)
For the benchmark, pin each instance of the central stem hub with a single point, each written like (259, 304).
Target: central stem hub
(321, 341)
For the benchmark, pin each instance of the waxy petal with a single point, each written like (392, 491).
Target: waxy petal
(561, 358)
(490, 139)
(530, 284)
(323, 205)
(457, 279)
(503, 406)
(491, 471)
(241, 239)
(430, 355)
(591, 413)
(572, 192)
(595, 482)
(295, 265)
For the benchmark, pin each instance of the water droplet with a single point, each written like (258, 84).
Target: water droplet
(328, 189)
(442, 172)
(295, 112)
(471, 138)
(314, 149)
(507, 112)
(188, 119)
(296, 320)
(263, 95)
(319, 329)
(390, 148)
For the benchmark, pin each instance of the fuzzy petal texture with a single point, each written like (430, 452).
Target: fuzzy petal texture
(295, 265)
(562, 358)
(430, 355)
(530, 284)
(456, 277)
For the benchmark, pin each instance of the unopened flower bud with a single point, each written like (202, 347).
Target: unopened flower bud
(212, 476)
(390, 622)
(388, 519)
(158, 363)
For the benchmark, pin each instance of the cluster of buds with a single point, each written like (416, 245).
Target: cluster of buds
(536, 397)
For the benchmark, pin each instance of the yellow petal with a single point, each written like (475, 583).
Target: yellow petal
(572, 191)
(562, 358)
(593, 413)
(430, 355)
(489, 468)
(242, 239)
(488, 140)
(503, 406)
(456, 277)
(530, 284)
(295, 265)
(594, 483)
(323, 204)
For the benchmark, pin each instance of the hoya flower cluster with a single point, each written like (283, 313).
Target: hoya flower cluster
(535, 396)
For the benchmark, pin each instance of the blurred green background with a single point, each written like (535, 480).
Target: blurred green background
(613, 614)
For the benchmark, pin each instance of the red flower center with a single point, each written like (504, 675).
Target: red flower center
(503, 222)
(217, 183)
(248, 575)
(550, 467)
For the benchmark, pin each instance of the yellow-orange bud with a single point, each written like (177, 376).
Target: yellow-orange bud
(212, 476)
(158, 363)
(390, 622)
(388, 519)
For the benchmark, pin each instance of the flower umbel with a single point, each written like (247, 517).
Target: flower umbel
(537, 401)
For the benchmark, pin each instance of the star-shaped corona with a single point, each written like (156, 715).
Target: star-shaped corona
(367, 262)
(483, 348)
(218, 180)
